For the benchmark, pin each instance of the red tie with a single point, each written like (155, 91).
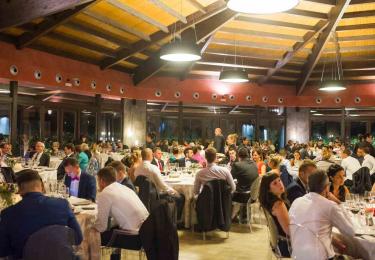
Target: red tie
(160, 167)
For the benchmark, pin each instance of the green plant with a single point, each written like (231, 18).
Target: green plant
(7, 190)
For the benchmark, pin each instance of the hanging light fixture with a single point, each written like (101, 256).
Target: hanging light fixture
(234, 75)
(181, 50)
(261, 6)
(336, 83)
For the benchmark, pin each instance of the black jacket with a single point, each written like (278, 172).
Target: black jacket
(245, 172)
(159, 234)
(8, 174)
(295, 190)
(219, 143)
(361, 181)
(60, 169)
(128, 183)
(214, 206)
(86, 188)
(44, 160)
(155, 163)
(182, 163)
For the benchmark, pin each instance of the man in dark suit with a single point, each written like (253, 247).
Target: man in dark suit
(80, 184)
(121, 174)
(157, 159)
(7, 174)
(187, 160)
(298, 187)
(69, 153)
(34, 212)
(219, 141)
(40, 158)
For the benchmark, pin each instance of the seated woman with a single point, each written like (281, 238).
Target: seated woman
(296, 161)
(56, 150)
(257, 156)
(197, 155)
(326, 161)
(82, 158)
(336, 176)
(174, 156)
(274, 163)
(272, 198)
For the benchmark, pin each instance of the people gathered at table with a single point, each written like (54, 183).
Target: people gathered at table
(302, 187)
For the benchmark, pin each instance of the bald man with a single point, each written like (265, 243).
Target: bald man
(219, 141)
(152, 172)
(40, 158)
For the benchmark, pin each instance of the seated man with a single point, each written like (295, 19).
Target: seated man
(120, 203)
(80, 184)
(298, 187)
(157, 159)
(350, 165)
(31, 214)
(153, 173)
(7, 175)
(69, 153)
(121, 174)
(6, 149)
(212, 172)
(312, 218)
(40, 158)
(368, 159)
(188, 159)
(246, 172)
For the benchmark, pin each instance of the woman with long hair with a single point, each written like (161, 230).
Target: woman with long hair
(297, 160)
(258, 158)
(336, 176)
(272, 198)
(274, 163)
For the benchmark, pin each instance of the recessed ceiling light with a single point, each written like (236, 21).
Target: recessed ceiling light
(261, 6)
(318, 114)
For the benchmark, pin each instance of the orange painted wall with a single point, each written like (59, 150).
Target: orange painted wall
(29, 60)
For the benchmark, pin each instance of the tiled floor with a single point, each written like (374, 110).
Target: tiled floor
(241, 244)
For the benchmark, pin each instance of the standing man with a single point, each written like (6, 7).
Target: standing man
(80, 183)
(219, 141)
(350, 165)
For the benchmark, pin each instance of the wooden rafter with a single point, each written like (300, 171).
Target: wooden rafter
(202, 30)
(296, 48)
(243, 18)
(335, 16)
(124, 7)
(125, 53)
(17, 12)
(169, 10)
(50, 24)
(197, 5)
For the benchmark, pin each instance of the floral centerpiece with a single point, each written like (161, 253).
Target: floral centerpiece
(7, 191)
(10, 161)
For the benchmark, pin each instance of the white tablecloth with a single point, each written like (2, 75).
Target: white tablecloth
(54, 162)
(47, 174)
(186, 187)
(103, 158)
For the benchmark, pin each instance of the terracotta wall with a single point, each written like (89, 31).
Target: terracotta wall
(190, 91)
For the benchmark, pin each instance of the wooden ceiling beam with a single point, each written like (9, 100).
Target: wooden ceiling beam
(169, 10)
(355, 27)
(308, 37)
(86, 28)
(124, 7)
(306, 13)
(335, 16)
(17, 12)
(248, 19)
(140, 46)
(203, 29)
(262, 34)
(117, 25)
(197, 5)
(50, 24)
(249, 44)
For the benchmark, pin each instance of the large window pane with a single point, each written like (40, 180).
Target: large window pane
(50, 125)
(192, 129)
(4, 122)
(88, 125)
(110, 126)
(28, 122)
(357, 128)
(168, 128)
(69, 122)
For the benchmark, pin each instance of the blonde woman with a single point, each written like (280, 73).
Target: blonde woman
(326, 161)
(274, 163)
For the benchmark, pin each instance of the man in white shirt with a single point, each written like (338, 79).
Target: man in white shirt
(285, 161)
(153, 173)
(40, 158)
(349, 163)
(212, 172)
(312, 218)
(120, 203)
(368, 160)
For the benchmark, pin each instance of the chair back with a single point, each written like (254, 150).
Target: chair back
(51, 242)
(147, 191)
(273, 232)
(361, 181)
(254, 189)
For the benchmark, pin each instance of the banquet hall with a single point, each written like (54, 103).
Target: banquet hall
(187, 129)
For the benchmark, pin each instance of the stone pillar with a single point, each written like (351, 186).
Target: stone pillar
(298, 124)
(134, 122)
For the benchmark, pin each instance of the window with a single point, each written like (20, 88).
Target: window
(357, 127)
(69, 122)
(169, 128)
(4, 121)
(110, 126)
(28, 122)
(50, 125)
(192, 129)
(88, 125)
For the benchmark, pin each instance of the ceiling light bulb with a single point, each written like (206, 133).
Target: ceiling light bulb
(261, 6)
